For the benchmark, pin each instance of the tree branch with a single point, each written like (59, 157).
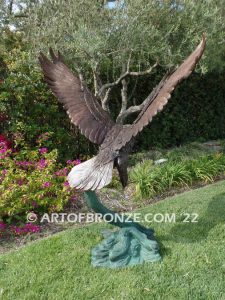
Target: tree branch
(21, 16)
(124, 101)
(82, 82)
(124, 75)
(97, 81)
(132, 92)
(144, 105)
(97, 85)
(103, 91)
(10, 6)
(105, 100)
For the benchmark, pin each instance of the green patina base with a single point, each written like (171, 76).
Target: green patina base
(131, 245)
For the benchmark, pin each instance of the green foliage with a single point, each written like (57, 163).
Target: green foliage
(152, 30)
(141, 156)
(115, 183)
(195, 112)
(185, 152)
(153, 180)
(140, 175)
(31, 109)
(32, 181)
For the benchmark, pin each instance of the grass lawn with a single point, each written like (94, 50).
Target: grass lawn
(193, 265)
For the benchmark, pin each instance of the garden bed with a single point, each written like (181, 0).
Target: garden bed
(39, 185)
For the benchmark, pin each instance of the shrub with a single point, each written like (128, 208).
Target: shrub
(7, 230)
(153, 180)
(141, 175)
(195, 112)
(31, 180)
(28, 108)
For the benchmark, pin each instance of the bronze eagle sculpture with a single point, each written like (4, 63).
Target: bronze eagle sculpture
(85, 112)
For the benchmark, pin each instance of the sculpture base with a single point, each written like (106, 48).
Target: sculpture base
(133, 244)
(125, 247)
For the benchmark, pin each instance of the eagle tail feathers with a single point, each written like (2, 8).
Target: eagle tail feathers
(90, 175)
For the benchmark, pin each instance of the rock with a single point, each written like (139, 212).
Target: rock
(160, 161)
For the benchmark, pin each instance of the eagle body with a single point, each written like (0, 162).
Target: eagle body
(97, 172)
(115, 140)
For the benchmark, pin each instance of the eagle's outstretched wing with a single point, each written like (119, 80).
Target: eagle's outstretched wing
(164, 94)
(81, 106)
(160, 98)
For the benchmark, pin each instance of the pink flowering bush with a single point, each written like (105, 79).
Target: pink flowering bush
(7, 230)
(32, 181)
(25, 229)
(2, 228)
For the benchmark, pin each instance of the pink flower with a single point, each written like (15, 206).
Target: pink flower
(43, 150)
(73, 162)
(46, 184)
(27, 228)
(2, 226)
(73, 198)
(66, 184)
(20, 182)
(24, 164)
(35, 204)
(62, 172)
(4, 172)
(3, 139)
(3, 147)
(43, 137)
(5, 150)
(76, 162)
(42, 164)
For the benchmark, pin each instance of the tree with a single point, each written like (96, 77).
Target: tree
(14, 12)
(113, 48)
